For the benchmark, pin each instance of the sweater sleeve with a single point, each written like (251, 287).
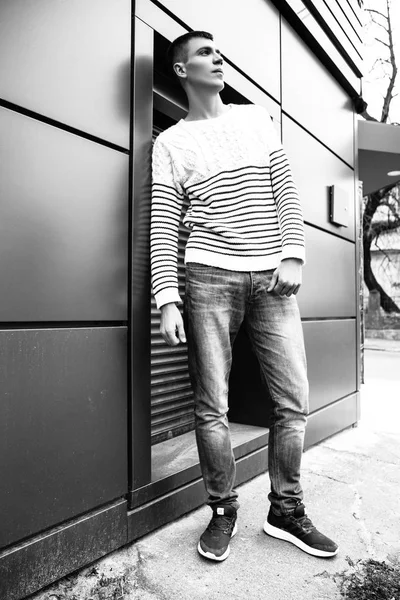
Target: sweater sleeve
(166, 207)
(286, 197)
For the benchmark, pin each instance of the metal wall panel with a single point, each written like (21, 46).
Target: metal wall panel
(329, 277)
(69, 61)
(63, 225)
(63, 422)
(314, 176)
(35, 564)
(312, 97)
(331, 360)
(248, 34)
(331, 419)
(139, 449)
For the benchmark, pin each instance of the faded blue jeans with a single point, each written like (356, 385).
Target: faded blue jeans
(217, 302)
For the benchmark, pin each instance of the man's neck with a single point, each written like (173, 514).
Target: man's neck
(204, 106)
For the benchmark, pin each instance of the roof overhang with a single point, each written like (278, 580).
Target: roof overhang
(378, 154)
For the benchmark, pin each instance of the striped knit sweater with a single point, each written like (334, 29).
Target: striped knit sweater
(244, 211)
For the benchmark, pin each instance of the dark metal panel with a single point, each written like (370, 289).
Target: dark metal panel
(28, 567)
(63, 225)
(258, 24)
(331, 358)
(312, 97)
(63, 422)
(139, 342)
(329, 277)
(374, 168)
(332, 419)
(69, 61)
(315, 169)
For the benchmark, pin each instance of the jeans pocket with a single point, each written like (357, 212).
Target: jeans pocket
(198, 270)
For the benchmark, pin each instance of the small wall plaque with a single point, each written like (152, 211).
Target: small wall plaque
(338, 206)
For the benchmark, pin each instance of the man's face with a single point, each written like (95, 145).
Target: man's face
(204, 64)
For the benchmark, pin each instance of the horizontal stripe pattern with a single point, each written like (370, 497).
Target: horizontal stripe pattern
(248, 215)
(166, 208)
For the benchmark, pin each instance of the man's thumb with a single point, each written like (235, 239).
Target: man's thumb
(273, 281)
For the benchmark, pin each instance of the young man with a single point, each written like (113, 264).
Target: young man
(243, 260)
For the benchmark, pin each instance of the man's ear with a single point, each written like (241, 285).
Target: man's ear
(180, 70)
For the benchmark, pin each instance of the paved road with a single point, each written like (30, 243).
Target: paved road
(382, 366)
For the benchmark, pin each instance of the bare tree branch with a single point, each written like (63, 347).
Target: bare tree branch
(380, 61)
(368, 117)
(378, 228)
(372, 10)
(379, 24)
(381, 42)
(383, 251)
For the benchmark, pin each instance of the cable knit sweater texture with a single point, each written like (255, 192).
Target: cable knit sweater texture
(244, 211)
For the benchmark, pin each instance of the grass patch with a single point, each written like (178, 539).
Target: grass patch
(370, 580)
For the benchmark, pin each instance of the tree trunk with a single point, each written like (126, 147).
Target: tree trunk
(387, 303)
(373, 202)
(389, 92)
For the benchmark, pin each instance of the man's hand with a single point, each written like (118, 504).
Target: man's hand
(171, 327)
(286, 279)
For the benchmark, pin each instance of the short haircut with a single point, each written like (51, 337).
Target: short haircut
(177, 51)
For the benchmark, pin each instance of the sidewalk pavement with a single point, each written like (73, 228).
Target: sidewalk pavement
(351, 484)
(381, 344)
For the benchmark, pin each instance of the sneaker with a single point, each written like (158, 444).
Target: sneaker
(298, 529)
(214, 542)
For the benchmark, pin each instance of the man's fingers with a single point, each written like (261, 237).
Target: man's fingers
(296, 289)
(170, 338)
(171, 327)
(286, 289)
(290, 290)
(181, 333)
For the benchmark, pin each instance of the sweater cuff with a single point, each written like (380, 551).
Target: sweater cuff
(166, 296)
(292, 251)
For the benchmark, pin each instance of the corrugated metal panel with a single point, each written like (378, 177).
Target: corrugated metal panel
(171, 392)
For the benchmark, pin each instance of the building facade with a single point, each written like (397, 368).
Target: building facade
(96, 413)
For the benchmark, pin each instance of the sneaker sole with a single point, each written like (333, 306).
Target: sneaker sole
(212, 556)
(288, 537)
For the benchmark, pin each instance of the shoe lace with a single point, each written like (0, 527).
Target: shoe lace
(305, 523)
(221, 523)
